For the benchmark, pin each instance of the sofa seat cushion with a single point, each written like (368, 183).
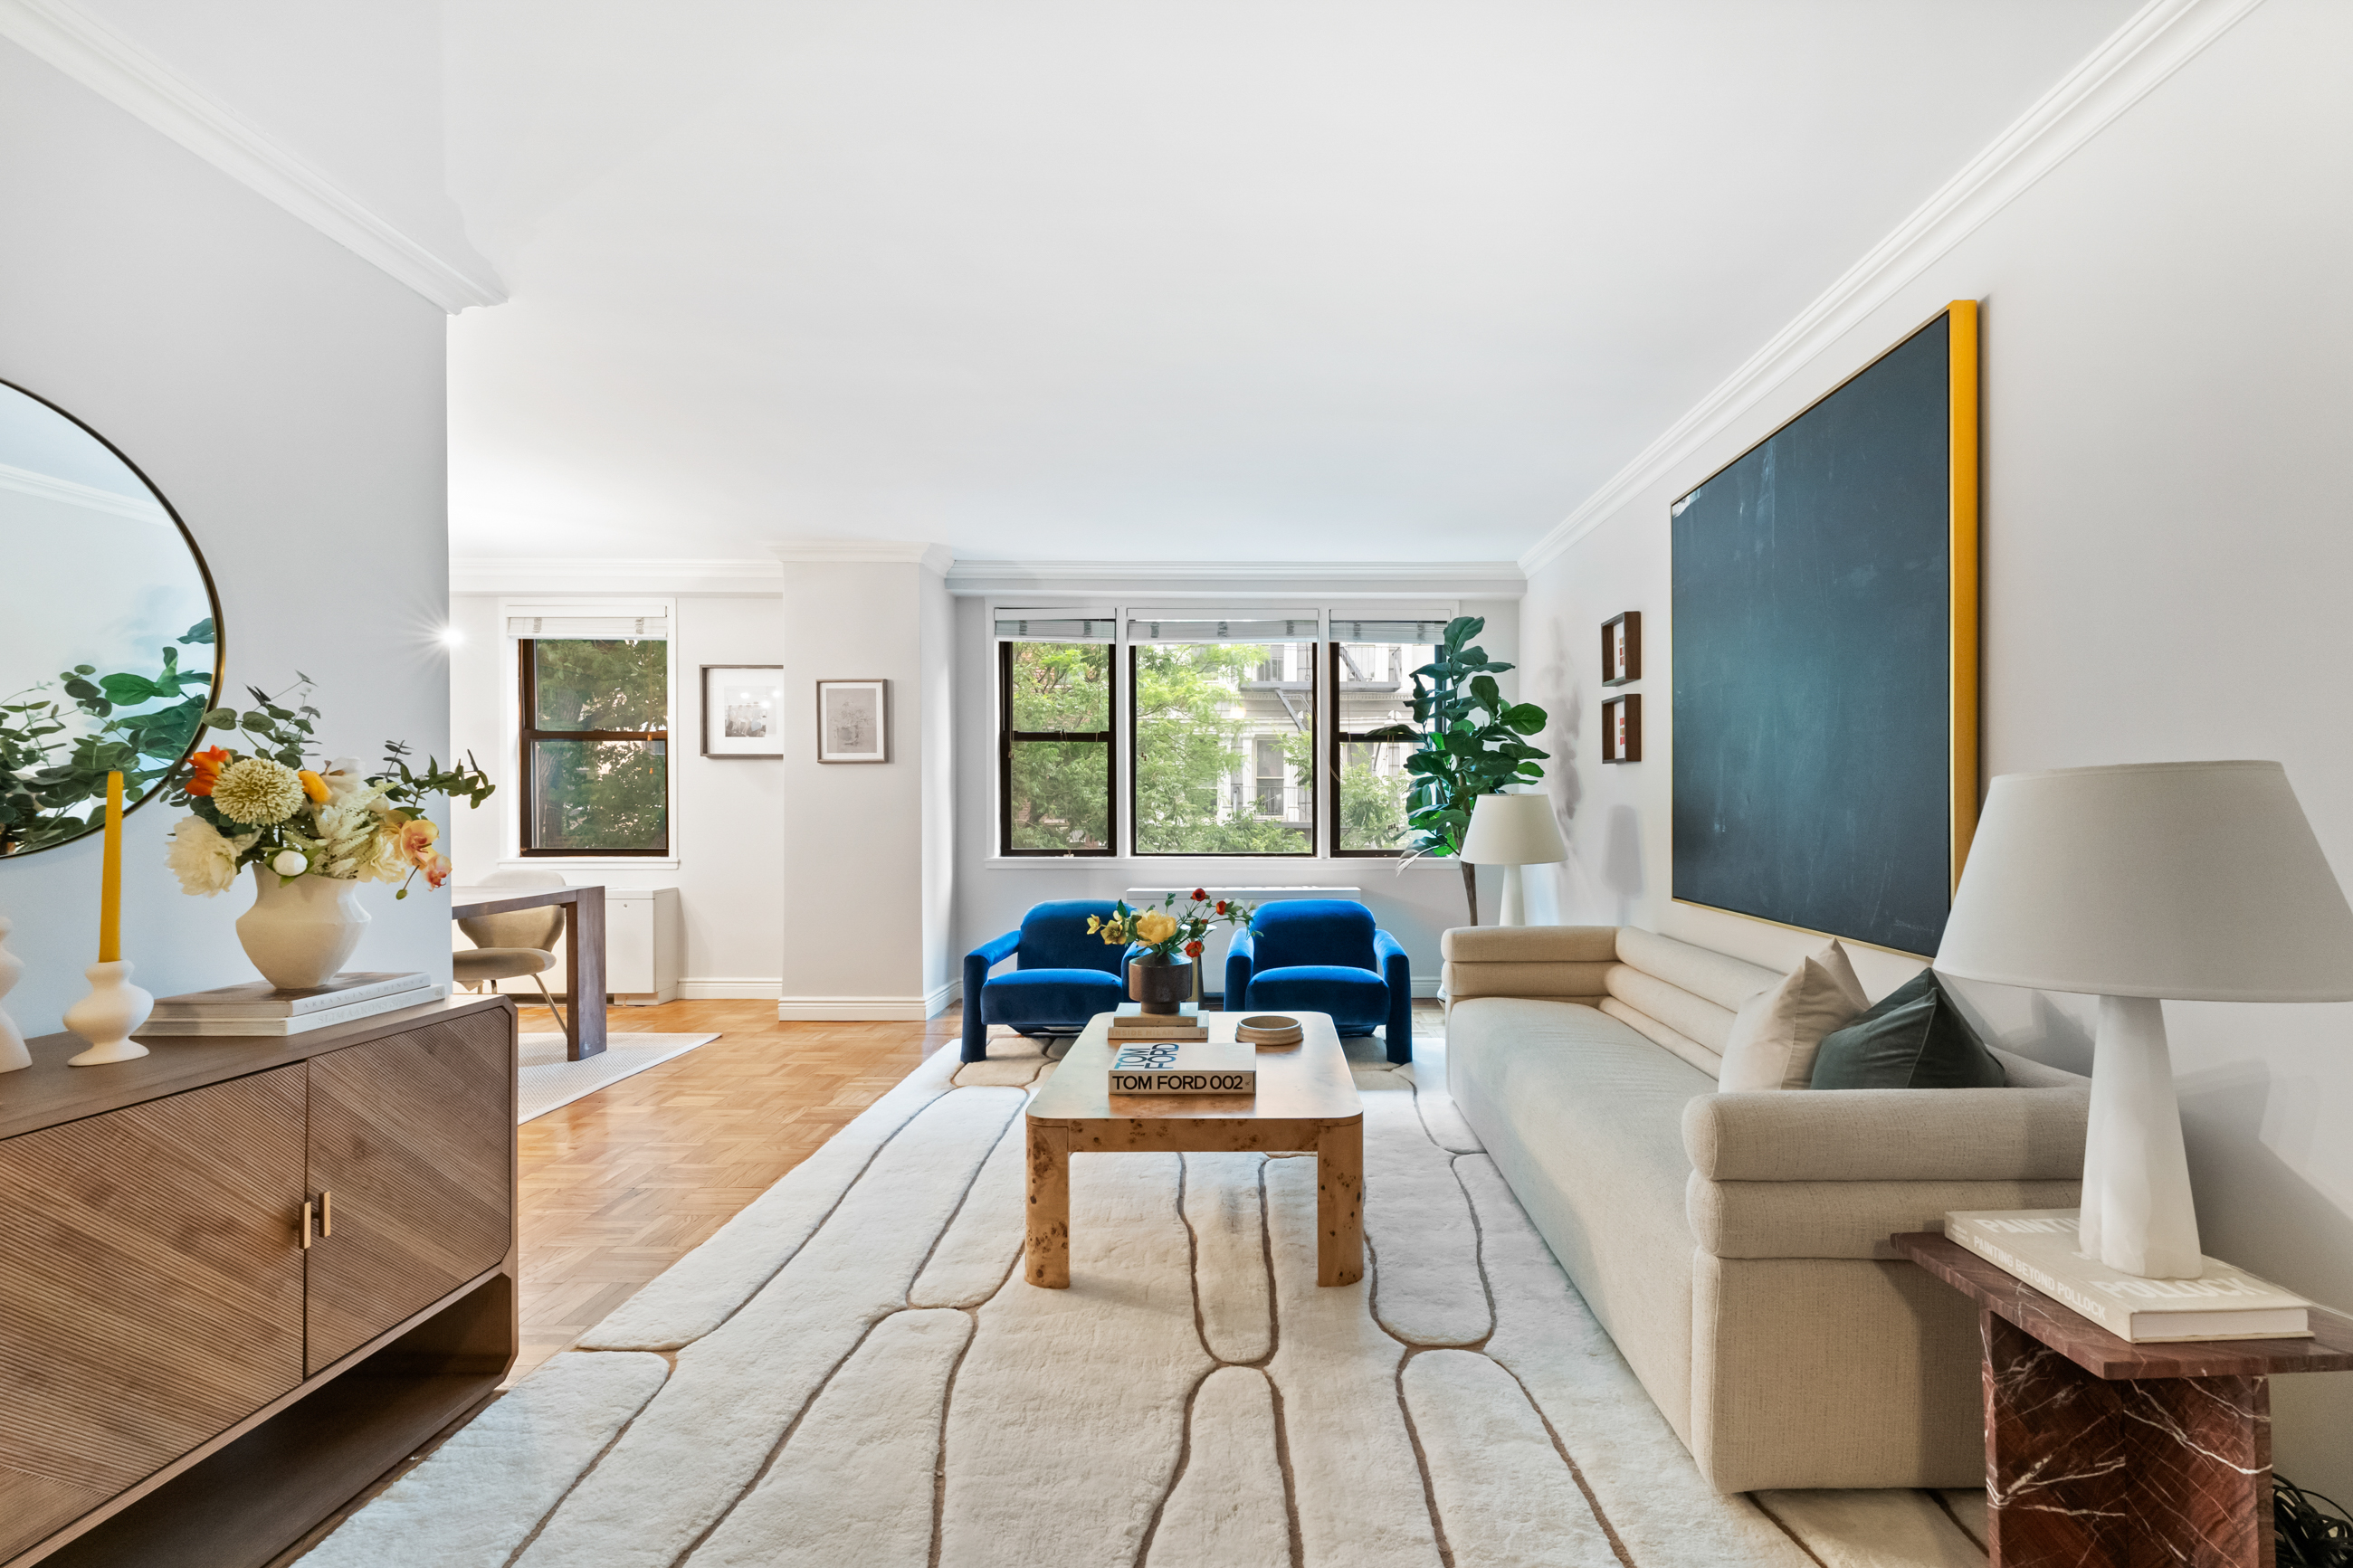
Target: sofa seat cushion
(1069, 996)
(1584, 1118)
(1357, 999)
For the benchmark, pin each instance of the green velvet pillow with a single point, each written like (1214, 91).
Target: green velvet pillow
(1914, 1038)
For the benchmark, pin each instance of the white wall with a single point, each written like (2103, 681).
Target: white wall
(1414, 903)
(2169, 386)
(867, 880)
(729, 831)
(288, 399)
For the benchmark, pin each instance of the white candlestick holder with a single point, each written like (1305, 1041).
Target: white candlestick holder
(106, 1017)
(12, 1054)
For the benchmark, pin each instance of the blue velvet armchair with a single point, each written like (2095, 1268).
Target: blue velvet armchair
(1063, 975)
(1323, 955)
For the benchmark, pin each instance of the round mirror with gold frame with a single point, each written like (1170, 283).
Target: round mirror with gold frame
(109, 629)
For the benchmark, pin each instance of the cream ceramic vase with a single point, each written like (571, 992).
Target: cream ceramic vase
(299, 934)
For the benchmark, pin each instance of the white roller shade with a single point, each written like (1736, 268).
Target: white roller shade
(1061, 624)
(591, 628)
(1368, 630)
(1250, 625)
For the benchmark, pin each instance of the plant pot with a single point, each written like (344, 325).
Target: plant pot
(1160, 984)
(300, 933)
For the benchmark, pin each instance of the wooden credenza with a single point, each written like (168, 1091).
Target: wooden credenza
(241, 1278)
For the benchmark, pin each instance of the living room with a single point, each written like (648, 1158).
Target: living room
(956, 466)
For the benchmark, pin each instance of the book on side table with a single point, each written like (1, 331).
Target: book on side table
(258, 1008)
(2038, 1247)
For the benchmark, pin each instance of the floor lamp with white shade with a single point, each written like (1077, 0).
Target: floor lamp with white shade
(1513, 831)
(2193, 881)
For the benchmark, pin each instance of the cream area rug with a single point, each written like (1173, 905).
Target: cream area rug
(546, 1080)
(852, 1373)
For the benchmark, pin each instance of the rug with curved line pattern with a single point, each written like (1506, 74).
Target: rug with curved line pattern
(852, 1373)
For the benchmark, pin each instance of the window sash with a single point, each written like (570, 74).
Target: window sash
(1248, 768)
(1008, 738)
(527, 759)
(1336, 759)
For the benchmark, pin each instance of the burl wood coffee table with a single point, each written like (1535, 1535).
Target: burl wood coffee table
(1306, 1103)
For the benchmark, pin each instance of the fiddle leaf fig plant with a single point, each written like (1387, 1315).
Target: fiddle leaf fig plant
(1472, 743)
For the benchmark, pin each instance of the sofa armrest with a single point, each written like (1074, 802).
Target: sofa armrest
(1396, 973)
(1539, 962)
(1889, 1135)
(1241, 956)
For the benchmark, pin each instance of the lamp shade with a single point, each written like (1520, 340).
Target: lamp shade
(2198, 881)
(1514, 830)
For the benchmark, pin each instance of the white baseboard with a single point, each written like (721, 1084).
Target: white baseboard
(867, 1009)
(730, 988)
(1426, 984)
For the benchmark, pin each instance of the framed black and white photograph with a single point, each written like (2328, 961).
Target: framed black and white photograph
(742, 711)
(853, 721)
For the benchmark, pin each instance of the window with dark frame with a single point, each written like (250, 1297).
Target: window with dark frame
(1055, 720)
(1370, 666)
(595, 746)
(1221, 734)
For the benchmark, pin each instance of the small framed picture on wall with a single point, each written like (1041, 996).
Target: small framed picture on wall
(1621, 728)
(742, 711)
(1622, 648)
(853, 721)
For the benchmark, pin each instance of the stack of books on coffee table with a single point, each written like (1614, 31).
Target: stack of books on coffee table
(1131, 1025)
(258, 1008)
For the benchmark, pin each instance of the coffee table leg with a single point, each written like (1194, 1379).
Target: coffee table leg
(1340, 1203)
(1046, 1252)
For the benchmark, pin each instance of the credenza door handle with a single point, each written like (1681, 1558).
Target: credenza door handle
(306, 1224)
(326, 1214)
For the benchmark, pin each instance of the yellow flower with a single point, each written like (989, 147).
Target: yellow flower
(313, 786)
(1094, 924)
(1153, 926)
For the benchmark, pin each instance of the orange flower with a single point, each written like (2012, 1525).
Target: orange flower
(1192, 949)
(204, 767)
(313, 786)
(1201, 893)
(438, 871)
(1221, 906)
(416, 847)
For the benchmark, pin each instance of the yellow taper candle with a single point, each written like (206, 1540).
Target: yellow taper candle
(109, 884)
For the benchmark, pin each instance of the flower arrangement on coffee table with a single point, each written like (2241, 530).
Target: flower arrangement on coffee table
(1163, 931)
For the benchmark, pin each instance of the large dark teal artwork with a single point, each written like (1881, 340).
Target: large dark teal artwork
(1823, 706)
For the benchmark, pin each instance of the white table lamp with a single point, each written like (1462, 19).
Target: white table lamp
(2199, 881)
(1513, 831)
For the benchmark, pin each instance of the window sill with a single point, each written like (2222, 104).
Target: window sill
(588, 862)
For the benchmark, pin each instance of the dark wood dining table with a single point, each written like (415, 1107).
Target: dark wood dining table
(583, 951)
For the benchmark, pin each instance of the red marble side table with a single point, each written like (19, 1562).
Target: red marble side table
(2100, 1452)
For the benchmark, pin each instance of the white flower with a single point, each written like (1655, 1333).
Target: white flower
(258, 792)
(346, 784)
(352, 843)
(204, 860)
(290, 862)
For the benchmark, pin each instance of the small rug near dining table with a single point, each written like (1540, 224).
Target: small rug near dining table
(546, 1080)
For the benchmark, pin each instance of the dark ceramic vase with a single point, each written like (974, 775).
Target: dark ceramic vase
(1160, 984)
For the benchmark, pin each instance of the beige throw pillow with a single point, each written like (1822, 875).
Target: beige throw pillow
(1777, 1032)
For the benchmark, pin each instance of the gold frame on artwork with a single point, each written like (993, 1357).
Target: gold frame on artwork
(1963, 698)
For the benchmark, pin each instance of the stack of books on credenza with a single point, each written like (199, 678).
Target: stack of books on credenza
(1131, 1025)
(258, 1008)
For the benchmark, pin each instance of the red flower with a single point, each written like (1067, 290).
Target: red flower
(1192, 949)
(1221, 906)
(1201, 893)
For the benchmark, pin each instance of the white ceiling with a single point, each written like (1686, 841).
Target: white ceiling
(1188, 279)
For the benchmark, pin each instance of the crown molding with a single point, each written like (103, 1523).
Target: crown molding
(2159, 40)
(1355, 579)
(827, 552)
(135, 82)
(69, 492)
(491, 575)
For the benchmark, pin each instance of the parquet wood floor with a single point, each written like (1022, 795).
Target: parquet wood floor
(619, 1184)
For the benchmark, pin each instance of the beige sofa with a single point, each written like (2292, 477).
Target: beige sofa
(1735, 1245)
